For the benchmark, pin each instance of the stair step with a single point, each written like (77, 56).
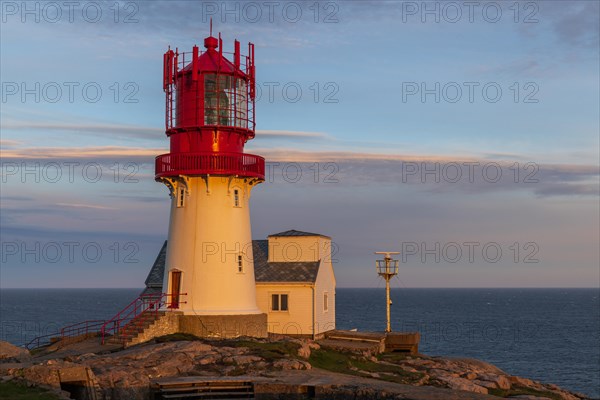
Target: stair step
(135, 327)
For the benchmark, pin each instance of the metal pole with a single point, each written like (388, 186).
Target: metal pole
(387, 291)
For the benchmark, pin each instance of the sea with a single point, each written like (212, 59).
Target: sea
(550, 335)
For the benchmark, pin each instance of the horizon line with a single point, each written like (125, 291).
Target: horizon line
(345, 287)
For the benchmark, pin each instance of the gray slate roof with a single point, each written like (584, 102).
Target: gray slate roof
(293, 233)
(157, 272)
(264, 271)
(297, 272)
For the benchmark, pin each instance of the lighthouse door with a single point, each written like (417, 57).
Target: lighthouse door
(175, 288)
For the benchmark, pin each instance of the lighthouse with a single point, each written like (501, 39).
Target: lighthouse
(209, 268)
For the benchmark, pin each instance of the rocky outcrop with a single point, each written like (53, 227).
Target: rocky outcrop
(10, 353)
(127, 374)
(478, 377)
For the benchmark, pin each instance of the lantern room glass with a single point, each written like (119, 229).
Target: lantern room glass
(225, 101)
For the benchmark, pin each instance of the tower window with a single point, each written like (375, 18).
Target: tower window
(180, 197)
(236, 198)
(325, 301)
(240, 263)
(279, 302)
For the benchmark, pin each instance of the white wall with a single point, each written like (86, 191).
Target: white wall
(307, 301)
(205, 237)
(298, 319)
(325, 320)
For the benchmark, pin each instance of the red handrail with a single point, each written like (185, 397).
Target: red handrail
(81, 328)
(127, 316)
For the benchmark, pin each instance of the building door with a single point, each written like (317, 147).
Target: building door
(175, 289)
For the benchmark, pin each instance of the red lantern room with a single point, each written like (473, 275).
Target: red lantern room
(209, 112)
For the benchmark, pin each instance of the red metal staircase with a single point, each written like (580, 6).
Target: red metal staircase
(125, 326)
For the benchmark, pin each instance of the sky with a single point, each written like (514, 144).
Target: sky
(463, 134)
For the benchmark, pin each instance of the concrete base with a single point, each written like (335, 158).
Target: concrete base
(205, 326)
(376, 342)
(224, 326)
(403, 341)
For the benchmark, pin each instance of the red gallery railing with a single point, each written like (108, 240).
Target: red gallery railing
(241, 164)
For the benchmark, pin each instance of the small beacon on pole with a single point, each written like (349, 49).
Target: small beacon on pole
(387, 269)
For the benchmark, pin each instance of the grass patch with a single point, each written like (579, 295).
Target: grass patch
(521, 390)
(18, 391)
(350, 364)
(266, 350)
(176, 337)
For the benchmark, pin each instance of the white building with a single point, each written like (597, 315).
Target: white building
(295, 282)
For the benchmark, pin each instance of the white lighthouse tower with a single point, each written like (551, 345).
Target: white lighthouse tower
(209, 267)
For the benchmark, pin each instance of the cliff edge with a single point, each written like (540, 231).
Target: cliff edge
(279, 365)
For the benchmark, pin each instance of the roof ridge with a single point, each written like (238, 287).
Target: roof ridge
(294, 232)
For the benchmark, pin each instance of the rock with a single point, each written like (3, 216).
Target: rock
(462, 384)
(287, 365)
(521, 381)
(194, 347)
(485, 384)
(528, 397)
(306, 347)
(469, 375)
(127, 374)
(441, 372)
(10, 353)
(244, 360)
(313, 345)
(478, 366)
(41, 375)
(408, 369)
(304, 351)
(498, 381)
(208, 359)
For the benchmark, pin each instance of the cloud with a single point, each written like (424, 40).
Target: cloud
(293, 155)
(93, 152)
(292, 134)
(131, 131)
(469, 174)
(576, 23)
(78, 205)
(524, 67)
(434, 173)
(8, 143)
(135, 132)
(17, 198)
(13, 149)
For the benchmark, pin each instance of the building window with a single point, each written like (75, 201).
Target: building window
(180, 197)
(240, 263)
(236, 198)
(279, 302)
(325, 301)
